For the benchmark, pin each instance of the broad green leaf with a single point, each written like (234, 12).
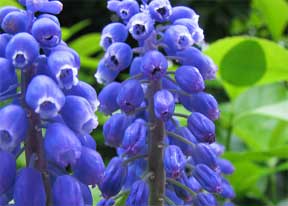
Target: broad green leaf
(9, 3)
(245, 61)
(69, 32)
(87, 45)
(274, 13)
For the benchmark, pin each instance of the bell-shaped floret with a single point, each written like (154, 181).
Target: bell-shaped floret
(67, 191)
(174, 161)
(44, 6)
(29, 188)
(22, 50)
(130, 96)
(164, 104)
(44, 96)
(179, 12)
(114, 178)
(13, 127)
(203, 154)
(201, 127)
(104, 75)
(134, 141)
(118, 56)
(114, 32)
(160, 10)
(141, 26)
(78, 115)
(205, 199)
(125, 9)
(61, 145)
(114, 128)
(139, 194)
(189, 79)
(7, 171)
(16, 21)
(108, 98)
(47, 32)
(90, 167)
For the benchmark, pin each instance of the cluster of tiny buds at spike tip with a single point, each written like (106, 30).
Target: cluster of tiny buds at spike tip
(50, 99)
(165, 35)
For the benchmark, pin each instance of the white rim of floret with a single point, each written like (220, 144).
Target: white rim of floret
(47, 99)
(8, 146)
(168, 5)
(138, 22)
(189, 37)
(74, 72)
(99, 78)
(21, 53)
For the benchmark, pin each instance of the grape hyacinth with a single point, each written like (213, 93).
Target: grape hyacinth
(47, 112)
(161, 160)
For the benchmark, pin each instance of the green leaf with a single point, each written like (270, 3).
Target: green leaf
(246, 61)
(9, 3)
(275, 15)
(87, 45)
(96, 194)
(69, 32)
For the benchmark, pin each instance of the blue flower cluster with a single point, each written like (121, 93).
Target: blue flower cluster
(142, 108)
(47, 112)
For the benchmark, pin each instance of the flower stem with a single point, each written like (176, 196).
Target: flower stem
(34, 139)
(156, 150)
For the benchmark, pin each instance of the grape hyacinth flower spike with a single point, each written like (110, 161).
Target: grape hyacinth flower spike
(164, 162)
(46, 113)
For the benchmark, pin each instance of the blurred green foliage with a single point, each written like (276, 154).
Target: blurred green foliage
(251, 86)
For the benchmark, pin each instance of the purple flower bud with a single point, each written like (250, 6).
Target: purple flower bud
(193, 57)
(164, 104)
(50, 16)
(204, 199)
(114, 128)
(8, 77)
(135, 67)
(189, 79)
(201, 127)
(186, 134)
(86, 194)
(194, 185)
(125, 9)
(67, 191)
(179, 12)
(227, 190)
(46, 32)
(107, 98)
(217, 148)
(174, 161)
(141, 26)
(4, 39)
(29, 188)
(4, 11)
(44, 97)
(208, 179)
(16, 22)
(44, 6)
(154, 65)
(13, 127)
(203, 103)
(139, 194)
(180, 192)
(176, 38)
(7, 171)
(22, 50)
(130, 96)
(61, 145)
(170, 193)
(160, 10)
(226, 166)
(203, 154)
(86, 91)
(118, 56)
(114, 32)
(106, 202)
(114, 178)
(134, 141)
(87, 141)
(193, 27)
(104, 75)
(89, 168)
(78, 114)
(64, 67)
